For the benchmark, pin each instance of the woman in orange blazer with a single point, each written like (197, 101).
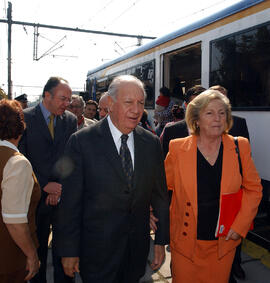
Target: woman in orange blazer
(201, 169)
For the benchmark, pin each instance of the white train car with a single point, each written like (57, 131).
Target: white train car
(230, 48)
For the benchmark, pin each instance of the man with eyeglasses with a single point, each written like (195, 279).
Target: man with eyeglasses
(76, 107)
(48, 128)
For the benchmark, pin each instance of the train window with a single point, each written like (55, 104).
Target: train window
(241, 63)
(182, 67)
(146, 73)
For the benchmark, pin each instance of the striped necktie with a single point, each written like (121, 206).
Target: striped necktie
(51, 125)
(126, 160)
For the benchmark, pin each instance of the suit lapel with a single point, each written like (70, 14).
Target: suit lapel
(188, 170)
(110, 150)
(59, 127)
(138, 155)
(42, 126)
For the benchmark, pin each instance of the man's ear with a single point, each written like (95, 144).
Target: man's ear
(47, 95)
(110, 103)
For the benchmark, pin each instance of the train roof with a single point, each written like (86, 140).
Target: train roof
(184, 30)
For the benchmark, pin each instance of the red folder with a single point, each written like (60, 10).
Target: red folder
(230, 206)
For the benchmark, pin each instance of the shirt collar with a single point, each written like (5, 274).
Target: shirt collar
(8, 144)
(115, 132)
(46, 113)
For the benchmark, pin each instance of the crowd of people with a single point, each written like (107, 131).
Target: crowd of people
(101, 186)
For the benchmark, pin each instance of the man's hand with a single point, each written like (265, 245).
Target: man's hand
(32, 265)
(52, 199)
(159, 256)
(70, 265)
(232, 235)
(153, 220)
(53, 188)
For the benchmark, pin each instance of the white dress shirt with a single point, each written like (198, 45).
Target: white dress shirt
(116, 134)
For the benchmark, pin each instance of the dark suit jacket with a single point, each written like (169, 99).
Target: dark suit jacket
(99, 219)
(41, 150)
(239, 127)
(179, 130)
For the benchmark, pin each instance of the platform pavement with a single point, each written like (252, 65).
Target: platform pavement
(256, 271)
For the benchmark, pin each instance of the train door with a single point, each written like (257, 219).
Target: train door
(182, 68)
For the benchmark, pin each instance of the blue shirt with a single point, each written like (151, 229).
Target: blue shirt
(46, 114)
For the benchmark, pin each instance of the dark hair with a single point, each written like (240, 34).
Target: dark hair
(52, 83)
(195, 90)
(11, 119)
(178, 112)
(165, 91)
(92, 102)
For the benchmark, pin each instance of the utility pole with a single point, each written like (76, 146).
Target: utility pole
(9, 11)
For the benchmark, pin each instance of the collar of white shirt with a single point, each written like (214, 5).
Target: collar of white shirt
(116, 134)
(8, 144)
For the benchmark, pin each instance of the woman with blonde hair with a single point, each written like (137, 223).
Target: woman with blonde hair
(203, 172)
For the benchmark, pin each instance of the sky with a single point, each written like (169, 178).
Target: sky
(76, 53)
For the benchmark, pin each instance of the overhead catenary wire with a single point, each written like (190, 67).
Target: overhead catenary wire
(99, 11)
(119, 16)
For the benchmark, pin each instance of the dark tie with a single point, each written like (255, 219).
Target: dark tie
(126, 160)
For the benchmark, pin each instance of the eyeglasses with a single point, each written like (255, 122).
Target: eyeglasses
(64, 99)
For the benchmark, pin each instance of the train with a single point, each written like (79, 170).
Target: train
(230, 48)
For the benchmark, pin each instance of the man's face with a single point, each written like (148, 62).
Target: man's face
(59, 100)
(127, 109)
(103, 107)
(76, 108)
(90, 111)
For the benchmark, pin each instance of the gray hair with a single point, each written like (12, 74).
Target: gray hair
(78, 98)
(104, 95)
(117, 81)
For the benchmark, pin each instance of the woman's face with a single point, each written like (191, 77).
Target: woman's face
(212, 120)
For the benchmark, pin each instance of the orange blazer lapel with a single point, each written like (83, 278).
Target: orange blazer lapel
(187, 161)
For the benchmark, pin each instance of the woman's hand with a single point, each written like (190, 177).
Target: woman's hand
(32, 265)
(232, 235)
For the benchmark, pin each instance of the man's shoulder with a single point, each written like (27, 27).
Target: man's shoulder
(148, 138)
(89, 122)
(238, 119)
(176, 128)
(69, 115)
(177, 125)
(92, 129)
(146, 133)
(30, 111)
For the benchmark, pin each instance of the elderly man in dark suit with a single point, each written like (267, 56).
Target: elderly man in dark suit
(48, 127)
(104, 211)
